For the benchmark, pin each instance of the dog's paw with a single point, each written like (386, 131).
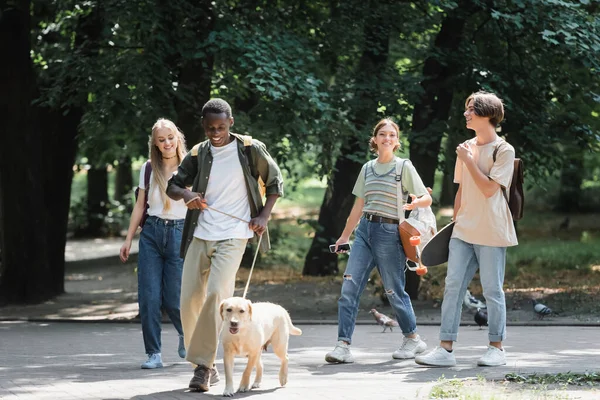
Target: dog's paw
(244, 388)
(228, 392)
(255, 385)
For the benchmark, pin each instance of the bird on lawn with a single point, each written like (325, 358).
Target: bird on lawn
(472, 303)
(540, 309)
(383, 320)
(481, 318)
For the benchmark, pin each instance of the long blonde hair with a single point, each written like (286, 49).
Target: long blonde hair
(156, 159)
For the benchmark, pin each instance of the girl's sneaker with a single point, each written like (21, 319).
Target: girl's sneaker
(154, 361)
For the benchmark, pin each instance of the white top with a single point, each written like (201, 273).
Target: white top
(226, 191)
(155, 202)
(480, 220)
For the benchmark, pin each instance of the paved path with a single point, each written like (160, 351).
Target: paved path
(101, 361)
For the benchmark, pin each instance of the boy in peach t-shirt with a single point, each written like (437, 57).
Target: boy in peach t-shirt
(482, 231)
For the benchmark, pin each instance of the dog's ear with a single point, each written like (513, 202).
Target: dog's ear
(250, 310)
(221, 309)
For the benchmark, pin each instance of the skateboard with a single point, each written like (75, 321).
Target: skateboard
(420, 269)
(435, 252)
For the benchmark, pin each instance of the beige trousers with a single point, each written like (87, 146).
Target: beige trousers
(209, 271)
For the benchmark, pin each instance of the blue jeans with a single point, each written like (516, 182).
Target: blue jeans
(375, 244)
(159, 278)
(463, 262)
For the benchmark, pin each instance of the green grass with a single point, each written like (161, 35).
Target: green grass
(549, 254)
(567, 378)
(307, 194)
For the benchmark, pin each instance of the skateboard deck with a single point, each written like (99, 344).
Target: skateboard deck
(435, 252)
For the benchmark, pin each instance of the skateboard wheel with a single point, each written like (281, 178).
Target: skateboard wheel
(421, 270)
(415, 240)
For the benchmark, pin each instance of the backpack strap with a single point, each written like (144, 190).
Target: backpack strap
(494, 160)
(399, 189)
(147, 172)
(248, 150)
(247, 139)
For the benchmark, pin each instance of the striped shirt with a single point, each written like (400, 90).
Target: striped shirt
(377, 184)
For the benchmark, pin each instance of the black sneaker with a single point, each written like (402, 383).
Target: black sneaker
(200, 381)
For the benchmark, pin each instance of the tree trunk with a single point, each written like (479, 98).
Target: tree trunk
(335, 208)
(195, 80)
(27, 269)
(97, 200)
(338, 199)
(123, 181)
(431, 112)
(449, 188)
(60, 143)
(571, 177)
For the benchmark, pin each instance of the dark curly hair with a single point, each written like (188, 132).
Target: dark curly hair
(216, 106)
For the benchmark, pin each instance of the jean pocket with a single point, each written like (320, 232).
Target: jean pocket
(389, 228)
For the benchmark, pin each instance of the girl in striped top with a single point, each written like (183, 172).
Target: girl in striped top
(377, 242)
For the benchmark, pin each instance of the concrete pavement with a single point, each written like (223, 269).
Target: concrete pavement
(101, 361)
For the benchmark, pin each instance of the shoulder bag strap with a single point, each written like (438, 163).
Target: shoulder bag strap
(399, 191)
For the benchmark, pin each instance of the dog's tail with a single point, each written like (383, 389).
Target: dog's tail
(293, 330)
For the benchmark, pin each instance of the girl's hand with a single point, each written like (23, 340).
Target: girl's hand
(412, 205)
(124, 252)
(341, 240)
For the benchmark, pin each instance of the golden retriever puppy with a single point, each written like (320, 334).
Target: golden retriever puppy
(247, 329)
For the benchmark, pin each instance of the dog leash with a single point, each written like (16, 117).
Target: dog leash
(257, 246)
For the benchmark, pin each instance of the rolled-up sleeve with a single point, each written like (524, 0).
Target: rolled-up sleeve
(268, 170)
(186, 172)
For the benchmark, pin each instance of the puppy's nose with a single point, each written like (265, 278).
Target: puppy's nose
(234, 324)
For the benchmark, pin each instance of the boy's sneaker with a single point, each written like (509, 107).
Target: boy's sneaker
(410, 348)
(341, 354)
(153, 361)
(439, 357)
(201, 380)
(493, 357)
(181, 347)
(214, 376)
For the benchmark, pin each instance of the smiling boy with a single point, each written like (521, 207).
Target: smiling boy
(483, 230)
(220, 174)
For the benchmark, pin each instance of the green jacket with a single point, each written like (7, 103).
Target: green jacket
(194, 171)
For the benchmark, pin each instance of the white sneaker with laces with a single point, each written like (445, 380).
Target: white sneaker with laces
(493, 357)
(439, 357)
(341, 354)
(410, 348)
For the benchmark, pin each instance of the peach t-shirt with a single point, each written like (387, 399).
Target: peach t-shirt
(480, 220)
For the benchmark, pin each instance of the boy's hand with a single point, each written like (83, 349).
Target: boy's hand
(463, 152)
(194, 201)
(258, 224)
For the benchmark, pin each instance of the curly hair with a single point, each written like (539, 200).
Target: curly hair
(216, 106)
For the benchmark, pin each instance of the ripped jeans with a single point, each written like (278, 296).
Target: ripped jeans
(375, 245)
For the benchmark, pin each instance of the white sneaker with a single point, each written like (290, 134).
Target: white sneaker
(341, 354)
(439, 357)
(493, 357)
(410, 348)
(153, 361)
